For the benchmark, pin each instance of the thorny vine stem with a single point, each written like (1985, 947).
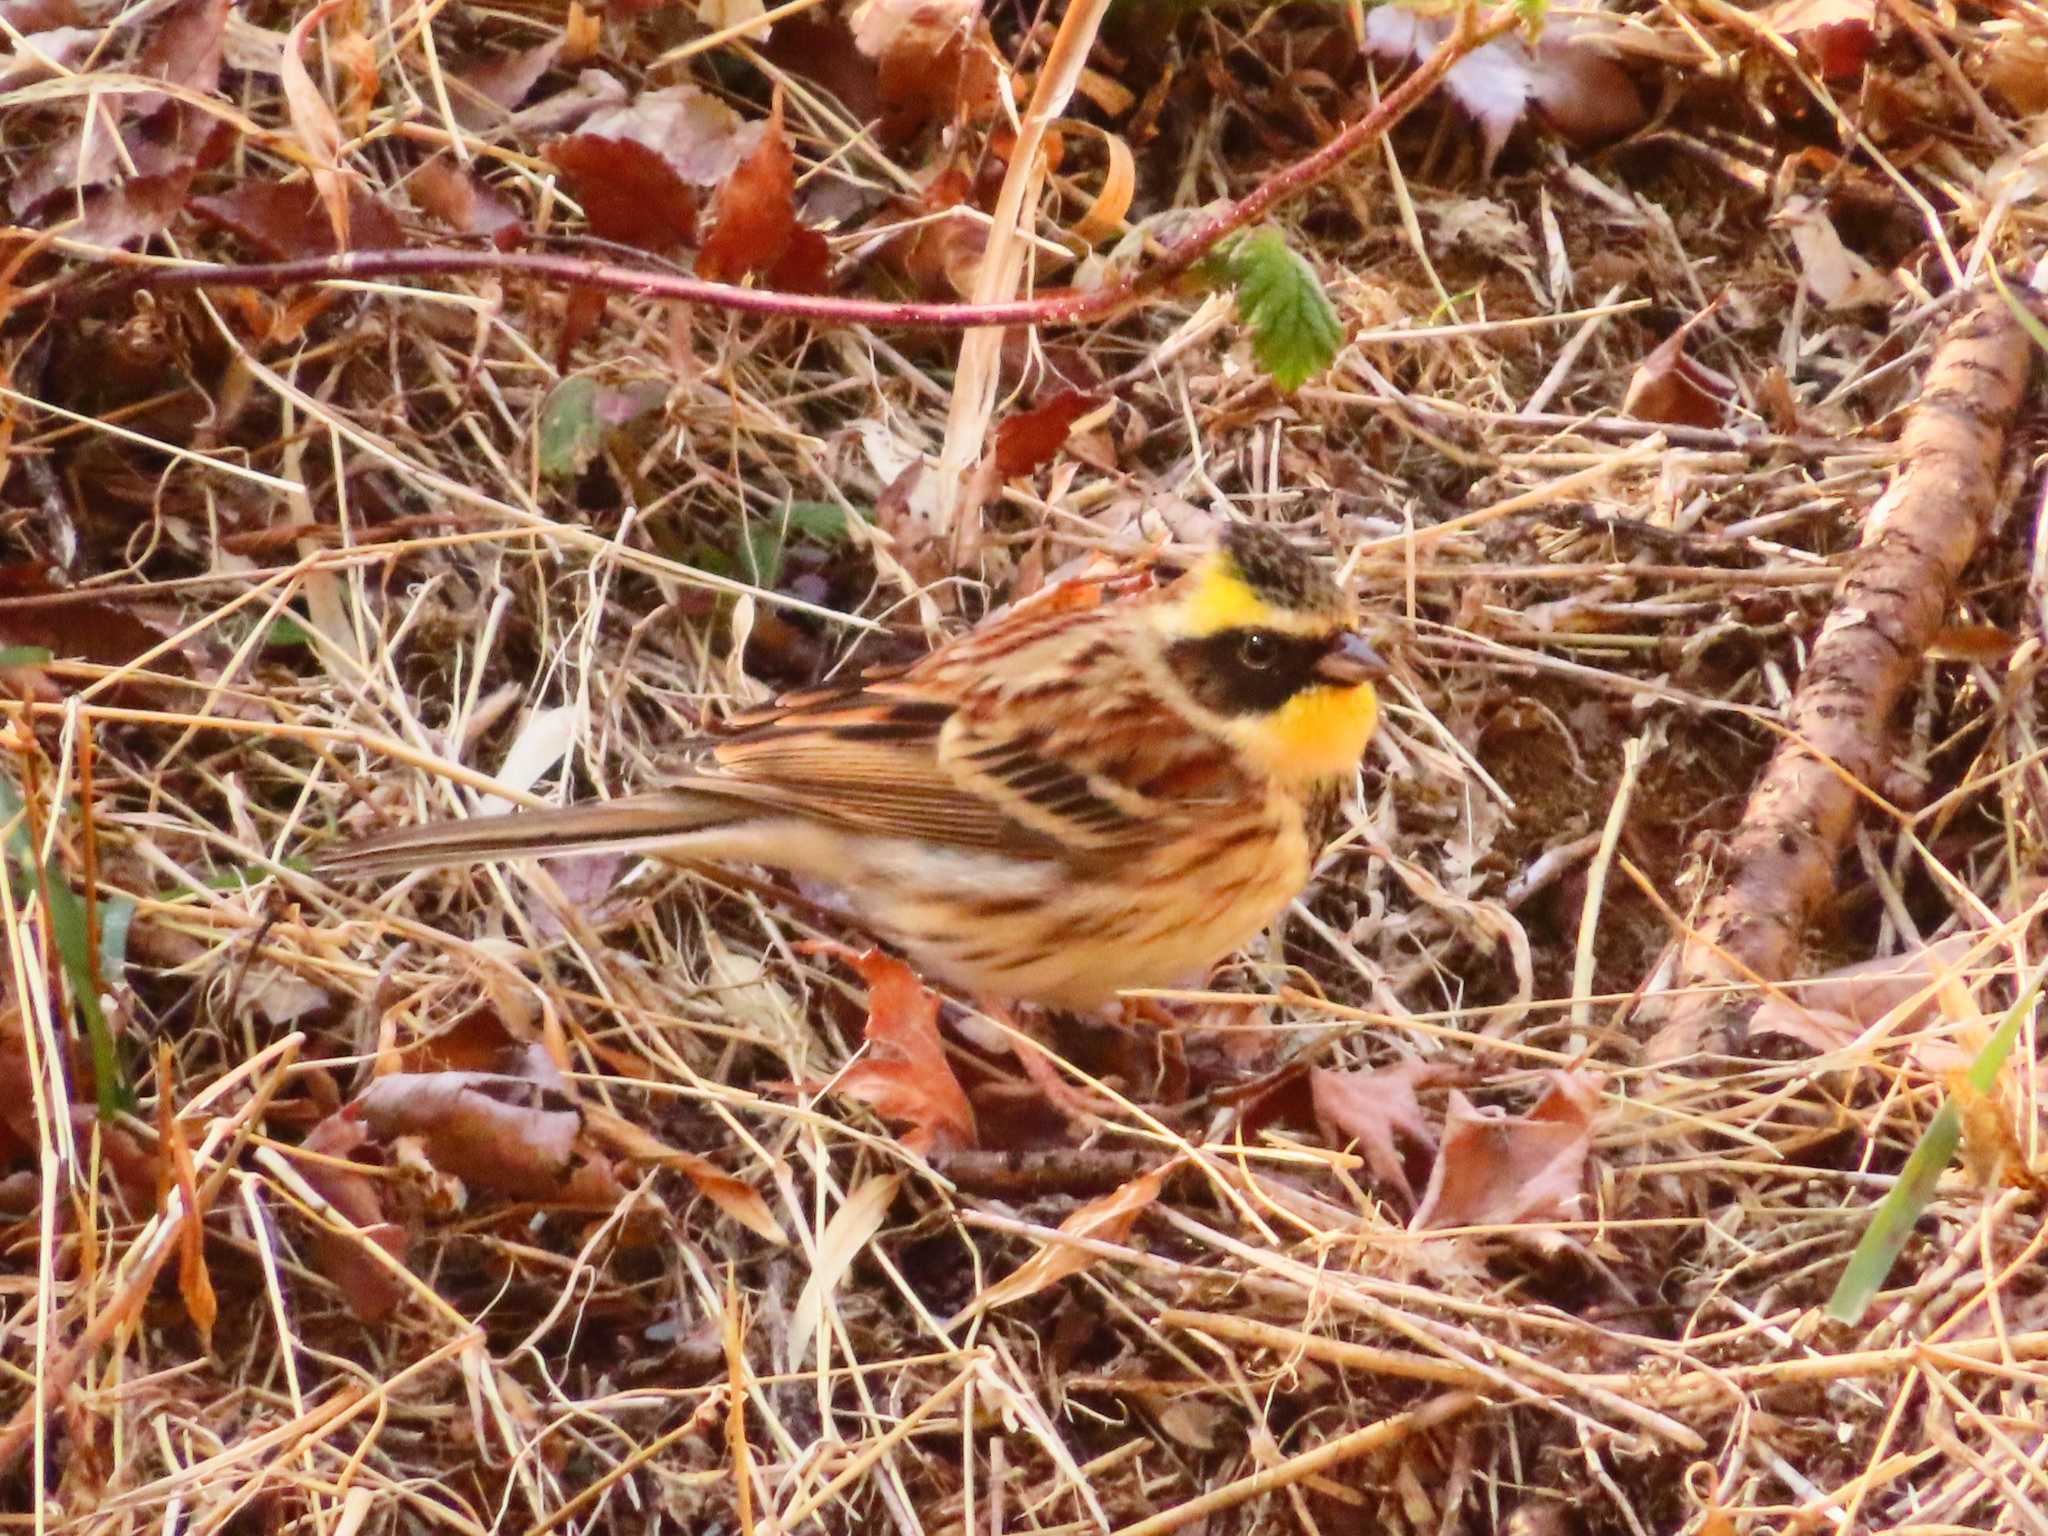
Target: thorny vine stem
(1064, 306)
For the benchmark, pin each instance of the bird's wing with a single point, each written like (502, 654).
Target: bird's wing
(1038, 734)
(868, 758)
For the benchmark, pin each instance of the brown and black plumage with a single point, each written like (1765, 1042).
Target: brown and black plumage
(1068, 801)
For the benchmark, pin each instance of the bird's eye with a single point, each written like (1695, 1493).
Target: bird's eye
(1257, 649)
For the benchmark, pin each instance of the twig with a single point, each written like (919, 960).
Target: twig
(1918, 538)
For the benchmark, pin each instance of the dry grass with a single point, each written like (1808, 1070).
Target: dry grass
(1598, 621)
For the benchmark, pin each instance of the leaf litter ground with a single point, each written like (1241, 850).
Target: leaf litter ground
(594, 1195)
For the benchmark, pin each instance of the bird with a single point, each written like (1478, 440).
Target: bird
(1071, 800)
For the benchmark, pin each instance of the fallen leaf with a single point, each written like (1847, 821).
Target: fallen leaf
(136, 209)
(755, 232)
(184, 50)
(1670, 386)
(1107, 1219)
(904, 1074)
(638, 168)
(1827, 1012)
(314, 125)
(933, 61)
(1027, 440)
(460, 198)
(368, 1286)
(628, 192)
(1837, 35)
(484, 90)
(45, 53)
(284, 219)
(493, 1130)
(1503, 1170)
(1833, 274)
(1372, 1107)
(817, 46)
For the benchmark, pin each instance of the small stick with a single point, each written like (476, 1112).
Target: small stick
(1897, 591)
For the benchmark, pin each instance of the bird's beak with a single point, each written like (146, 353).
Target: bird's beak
(1350, 661)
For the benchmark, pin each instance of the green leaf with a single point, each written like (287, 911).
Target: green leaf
(1900, 1210)
(69, 928)
(1294, 326)
(579, 413)
(825, 521)
(570, 433)
(287, 631)
(25, 655)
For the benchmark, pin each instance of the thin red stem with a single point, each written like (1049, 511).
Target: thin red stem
(1063, 306)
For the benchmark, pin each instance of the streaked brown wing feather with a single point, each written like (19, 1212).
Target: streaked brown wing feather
(1033, 733)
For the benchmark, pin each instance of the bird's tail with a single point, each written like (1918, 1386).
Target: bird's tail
(632, 823)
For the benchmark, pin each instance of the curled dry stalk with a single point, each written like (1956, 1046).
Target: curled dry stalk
(1063, 306)
(1893, 600)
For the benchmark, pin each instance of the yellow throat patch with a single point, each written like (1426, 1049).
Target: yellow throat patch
(1320, 733)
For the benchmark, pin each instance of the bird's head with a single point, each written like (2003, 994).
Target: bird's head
(1269, 653)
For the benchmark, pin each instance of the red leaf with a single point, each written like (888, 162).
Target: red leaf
(287, 220)
(1838, 35)
(628, 192)
(638, 168)
(904, 1073)
(1028, 440)
(756, 232)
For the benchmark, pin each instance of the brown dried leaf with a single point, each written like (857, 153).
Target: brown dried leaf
(1108, 1219)
(485, 90)
(1027, 440)
(1829, 1011)
(460, 198)
(1669, 386)
(1371, 1107)
(473, 1128)
(756, 231)
(185, 50)
(904, 1073)
(284, 219)
(368, 1286)
(139, 208)
(314, 125)
(933, 59)
(1500, 1170)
